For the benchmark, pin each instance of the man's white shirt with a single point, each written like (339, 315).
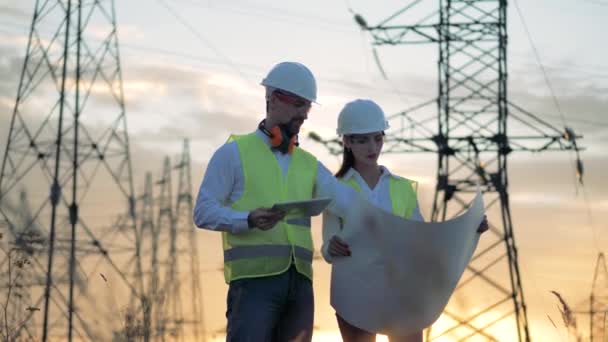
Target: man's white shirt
(223, 185)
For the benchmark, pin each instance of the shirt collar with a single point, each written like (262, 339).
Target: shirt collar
(351, 172)
(264, 137)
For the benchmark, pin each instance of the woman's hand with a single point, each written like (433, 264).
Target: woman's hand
(337, 247)
(483, 226)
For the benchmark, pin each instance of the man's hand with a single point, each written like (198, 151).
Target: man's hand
(337, 247)
(264, 218)
(483, 226)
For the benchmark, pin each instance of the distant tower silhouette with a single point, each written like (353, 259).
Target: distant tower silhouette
(598, 301)
(172, 306)
(191, 288)
(21, 241)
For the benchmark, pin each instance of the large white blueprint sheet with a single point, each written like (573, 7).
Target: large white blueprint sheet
(401, 273)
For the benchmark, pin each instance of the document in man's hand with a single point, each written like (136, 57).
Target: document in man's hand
(308, 208)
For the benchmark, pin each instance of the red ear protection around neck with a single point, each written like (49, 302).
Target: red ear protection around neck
(276, 137)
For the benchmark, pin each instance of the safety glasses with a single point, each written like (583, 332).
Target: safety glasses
(291, 99)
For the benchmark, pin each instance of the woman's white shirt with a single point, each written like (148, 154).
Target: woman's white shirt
(379, 196)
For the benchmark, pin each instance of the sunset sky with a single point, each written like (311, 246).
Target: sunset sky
(198, 77)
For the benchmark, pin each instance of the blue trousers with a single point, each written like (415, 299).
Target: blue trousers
(270, 309)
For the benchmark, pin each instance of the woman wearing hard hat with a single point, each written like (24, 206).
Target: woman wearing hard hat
(362, 123)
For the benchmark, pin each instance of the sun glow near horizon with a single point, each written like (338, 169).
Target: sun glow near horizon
(318, 336)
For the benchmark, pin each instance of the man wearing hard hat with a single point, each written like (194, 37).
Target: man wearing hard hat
(268, 260)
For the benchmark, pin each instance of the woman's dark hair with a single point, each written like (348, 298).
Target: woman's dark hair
(348, 161)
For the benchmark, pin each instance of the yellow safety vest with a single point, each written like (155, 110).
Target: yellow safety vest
(402, 194)
(258, 253)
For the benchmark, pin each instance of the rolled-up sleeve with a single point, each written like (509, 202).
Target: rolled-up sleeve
(212, 209)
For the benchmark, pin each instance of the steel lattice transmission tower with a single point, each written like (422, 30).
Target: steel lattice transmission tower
(472, 143)
(187, 242)
(595, 307)
(598, 301)
(163, 256)
(16, 270)
(68, 147)
(172, 292)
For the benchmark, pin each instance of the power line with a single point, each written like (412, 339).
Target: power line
(596, 70)
(280, 15)
(597, 2)
(336, 81)
(561, 114)
(238, 67)
(203, 39)
(545, 76)
(538, 61)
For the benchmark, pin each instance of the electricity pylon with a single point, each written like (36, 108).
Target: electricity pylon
(16, 270)
(69, 155)
(188, 248)
(472, 143)
(173, 294)
(597, 307)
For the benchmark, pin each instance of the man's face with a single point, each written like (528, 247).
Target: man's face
(289, 109)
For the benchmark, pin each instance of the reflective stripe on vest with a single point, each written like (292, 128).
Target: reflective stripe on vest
(402, 194)
(259, 253)
(301, 221)
(247, 252)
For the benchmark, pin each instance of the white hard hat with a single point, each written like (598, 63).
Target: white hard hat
(361, 117)
(294, 78)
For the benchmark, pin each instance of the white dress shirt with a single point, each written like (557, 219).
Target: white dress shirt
(379, 196)
(223, 185)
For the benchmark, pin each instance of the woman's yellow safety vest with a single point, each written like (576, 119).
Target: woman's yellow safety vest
(259, 253)
(402, 194)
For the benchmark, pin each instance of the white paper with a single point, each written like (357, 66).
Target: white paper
(401, 273)
(308, 208)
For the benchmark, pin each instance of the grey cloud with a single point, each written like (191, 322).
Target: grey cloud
(201, 125)
(183, 86)
(9, 80)
(15, 10)
(180, 84)
(203, 111)
(581, 95)
(403, 86)
(10, 68)
(583, 102)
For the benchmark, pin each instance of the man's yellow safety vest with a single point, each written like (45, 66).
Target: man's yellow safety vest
(259, 253)
(402, 194)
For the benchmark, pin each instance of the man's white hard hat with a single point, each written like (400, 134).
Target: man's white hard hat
(292, 77)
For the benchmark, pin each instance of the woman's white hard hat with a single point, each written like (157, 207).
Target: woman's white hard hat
(361, 116)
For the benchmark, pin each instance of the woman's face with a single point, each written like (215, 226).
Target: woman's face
(366, 147)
